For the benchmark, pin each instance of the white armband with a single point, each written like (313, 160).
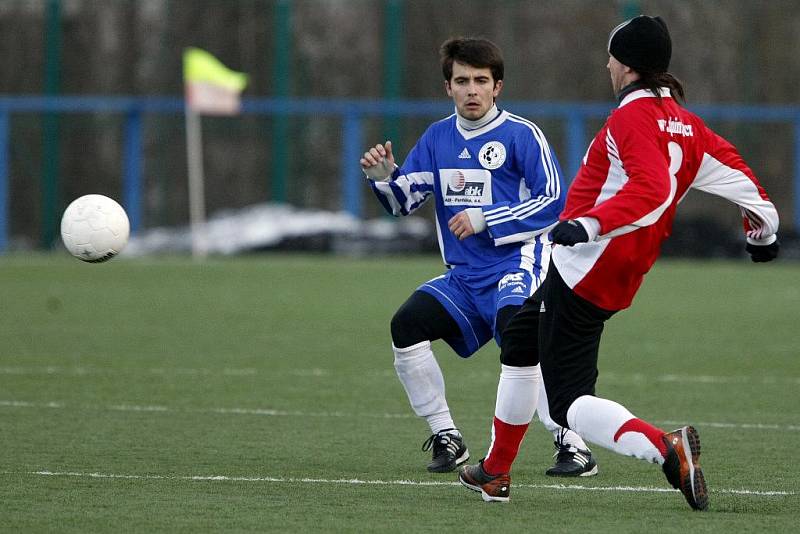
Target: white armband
(591, 225)
(476, 219)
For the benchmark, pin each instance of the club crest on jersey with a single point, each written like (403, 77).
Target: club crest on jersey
(466, 187)
(492, 155)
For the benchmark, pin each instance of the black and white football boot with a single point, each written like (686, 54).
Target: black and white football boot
(571, 461)
(449, 450)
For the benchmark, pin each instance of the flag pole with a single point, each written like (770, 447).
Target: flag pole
(212, 88)
(197, 201)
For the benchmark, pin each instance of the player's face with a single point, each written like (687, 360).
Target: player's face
(618, 73)
(473, 90)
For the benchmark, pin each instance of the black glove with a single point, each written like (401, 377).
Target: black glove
(569, 233)
(762, 253)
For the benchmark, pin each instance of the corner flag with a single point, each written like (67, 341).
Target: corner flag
(211, 87)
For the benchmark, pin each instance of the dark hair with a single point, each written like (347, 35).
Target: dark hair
(652, 81)
(473, 51)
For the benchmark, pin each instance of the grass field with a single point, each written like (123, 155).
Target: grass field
(258, 394)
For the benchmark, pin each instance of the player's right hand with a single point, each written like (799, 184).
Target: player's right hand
(569, 233)
(378, 162)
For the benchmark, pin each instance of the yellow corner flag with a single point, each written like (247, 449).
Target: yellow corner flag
(211, 87)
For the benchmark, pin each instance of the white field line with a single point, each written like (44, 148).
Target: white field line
(639, 378)
(315, 372)
(296, 413)
(21, 370)
(355, 481)
(743, 426)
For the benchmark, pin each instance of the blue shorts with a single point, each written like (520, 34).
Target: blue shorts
(473, 300)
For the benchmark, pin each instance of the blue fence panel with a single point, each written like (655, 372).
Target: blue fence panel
(5, 153)
(352, 147)
(132, 169)
(796, 190)
(352, 112)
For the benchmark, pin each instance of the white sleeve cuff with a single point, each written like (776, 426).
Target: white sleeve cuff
(591, 225)
(476, 219)
(763, 242)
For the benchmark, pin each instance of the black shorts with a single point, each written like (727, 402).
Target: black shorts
(564, 336)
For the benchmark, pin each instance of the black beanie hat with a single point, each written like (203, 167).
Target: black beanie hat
(642, 43)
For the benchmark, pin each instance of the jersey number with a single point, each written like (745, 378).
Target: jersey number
(675, 158)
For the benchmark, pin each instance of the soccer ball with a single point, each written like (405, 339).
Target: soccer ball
(94, 228)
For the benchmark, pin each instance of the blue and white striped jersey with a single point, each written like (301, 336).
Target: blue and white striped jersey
(505, 167)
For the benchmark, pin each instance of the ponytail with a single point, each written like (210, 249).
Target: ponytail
(653, 81)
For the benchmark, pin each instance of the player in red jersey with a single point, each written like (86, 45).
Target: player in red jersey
(619, 210)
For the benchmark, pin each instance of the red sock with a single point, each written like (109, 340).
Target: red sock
(505, 446)
(650, 432)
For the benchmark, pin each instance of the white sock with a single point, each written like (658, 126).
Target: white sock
(561, 435)
(517, 393)
(598, 421)
(422, 379)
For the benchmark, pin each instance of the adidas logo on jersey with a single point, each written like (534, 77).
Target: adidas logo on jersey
(464, 154)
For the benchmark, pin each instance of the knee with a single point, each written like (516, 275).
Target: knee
(406, 329)
(518, 350)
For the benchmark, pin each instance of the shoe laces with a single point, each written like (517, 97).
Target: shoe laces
(564, 452)
(441, 442)
(562, 434)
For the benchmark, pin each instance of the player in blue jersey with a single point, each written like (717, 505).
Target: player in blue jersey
(497, 191)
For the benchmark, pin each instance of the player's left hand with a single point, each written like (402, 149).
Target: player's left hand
(763, 253)
(460, 226)
(569, 233)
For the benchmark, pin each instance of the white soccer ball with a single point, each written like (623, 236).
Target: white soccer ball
(94, 228)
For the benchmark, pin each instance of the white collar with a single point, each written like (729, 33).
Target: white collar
(472, 129)
(468, 125)
(644, 93)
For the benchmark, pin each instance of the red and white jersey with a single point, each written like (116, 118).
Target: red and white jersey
(647, 156)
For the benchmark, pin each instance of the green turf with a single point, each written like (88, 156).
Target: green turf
(275, 372)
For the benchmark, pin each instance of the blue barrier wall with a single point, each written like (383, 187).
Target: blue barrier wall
(352, 113)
